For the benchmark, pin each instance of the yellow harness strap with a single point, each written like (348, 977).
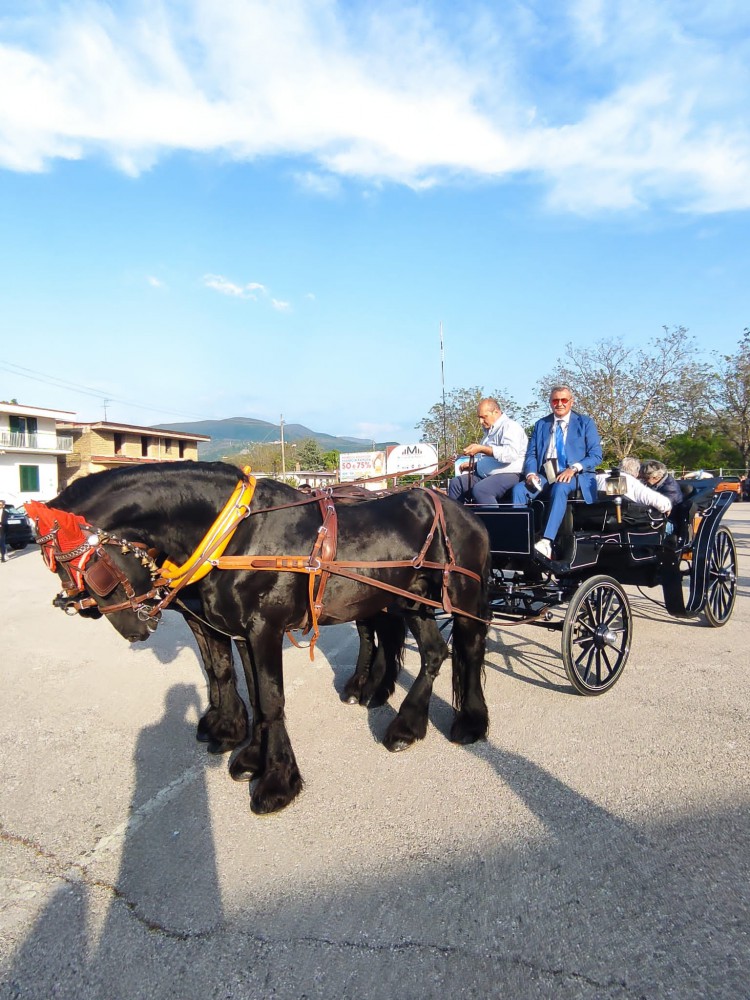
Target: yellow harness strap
(216, 539)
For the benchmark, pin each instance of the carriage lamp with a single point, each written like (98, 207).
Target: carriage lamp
(616, 484)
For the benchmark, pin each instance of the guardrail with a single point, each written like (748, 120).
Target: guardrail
(41, 441)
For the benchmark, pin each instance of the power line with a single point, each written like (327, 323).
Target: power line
(74, 387)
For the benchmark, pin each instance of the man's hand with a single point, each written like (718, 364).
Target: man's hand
(565, 475)
(477, 449)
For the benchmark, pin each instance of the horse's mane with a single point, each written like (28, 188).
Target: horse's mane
(203, 477)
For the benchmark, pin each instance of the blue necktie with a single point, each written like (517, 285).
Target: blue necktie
(562, 460)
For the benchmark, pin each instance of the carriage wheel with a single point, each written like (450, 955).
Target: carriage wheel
(722, 579)
(596, 635)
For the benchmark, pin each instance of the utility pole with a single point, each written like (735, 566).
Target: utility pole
(104, 404)
(283, 456)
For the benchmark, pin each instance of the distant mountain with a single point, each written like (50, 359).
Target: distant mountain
(233, 434)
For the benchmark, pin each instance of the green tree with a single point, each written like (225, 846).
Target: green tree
(451, 427)
(728, 397)
(703, 448)
(331, 460)
(637, 397)
(309, 455)
(260, 457)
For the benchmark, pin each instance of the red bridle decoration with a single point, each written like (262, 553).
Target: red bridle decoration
(58, 530)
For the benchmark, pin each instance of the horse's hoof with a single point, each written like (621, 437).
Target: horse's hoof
(396, 746)
(245, 766)
(350, 699)
(272, 794)
(220, 746)
(465, 731)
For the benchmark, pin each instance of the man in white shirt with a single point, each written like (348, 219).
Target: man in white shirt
(498, 458)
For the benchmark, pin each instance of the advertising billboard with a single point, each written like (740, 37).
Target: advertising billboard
(362, 465)
(421, 458)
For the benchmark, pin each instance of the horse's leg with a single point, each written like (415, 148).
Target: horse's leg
(271, 757)
(224, 725)
(391, 633)
(472, 720)
(411, 722)
(378, 663)
(248, 763)
(352, 693)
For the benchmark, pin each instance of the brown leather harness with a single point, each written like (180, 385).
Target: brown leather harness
(102, 575)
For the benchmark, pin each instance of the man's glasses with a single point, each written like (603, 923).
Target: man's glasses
(560, 399)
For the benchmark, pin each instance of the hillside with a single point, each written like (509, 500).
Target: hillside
(232, 434)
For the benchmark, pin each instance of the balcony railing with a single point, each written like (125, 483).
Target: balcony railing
(41, 441)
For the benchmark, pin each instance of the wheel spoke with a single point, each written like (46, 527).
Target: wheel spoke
(588, 655)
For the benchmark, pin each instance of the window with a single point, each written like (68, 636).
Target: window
(168, 446)
(182, 449)
(29, 478)
(144, 446)
(118, 443)
(22, 425)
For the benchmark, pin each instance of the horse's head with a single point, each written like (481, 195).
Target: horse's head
(100, 574)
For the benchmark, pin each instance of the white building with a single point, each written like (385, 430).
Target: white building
(29, 450)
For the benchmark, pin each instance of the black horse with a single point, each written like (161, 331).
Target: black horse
(166, 509)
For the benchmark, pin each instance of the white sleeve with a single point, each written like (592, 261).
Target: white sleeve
(644, 495)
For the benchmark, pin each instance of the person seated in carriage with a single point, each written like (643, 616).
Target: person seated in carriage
(498, 458)
(647, 483)
(563, 453)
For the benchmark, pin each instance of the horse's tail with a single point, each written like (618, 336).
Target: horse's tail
(469, 645)
(391, 632)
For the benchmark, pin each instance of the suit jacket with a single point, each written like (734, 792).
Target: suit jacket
(582, 445)
(670, 488)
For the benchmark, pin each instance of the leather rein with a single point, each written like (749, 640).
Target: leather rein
(89, 565)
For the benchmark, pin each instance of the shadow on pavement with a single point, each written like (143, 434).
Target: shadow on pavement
(168, 830)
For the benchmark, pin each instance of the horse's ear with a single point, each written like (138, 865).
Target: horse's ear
(101, 577)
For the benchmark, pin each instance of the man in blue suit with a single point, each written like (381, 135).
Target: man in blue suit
(563, 445)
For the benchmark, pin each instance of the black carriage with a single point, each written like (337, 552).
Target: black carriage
(605, 546)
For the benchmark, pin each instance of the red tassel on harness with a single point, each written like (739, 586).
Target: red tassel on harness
(68, 535)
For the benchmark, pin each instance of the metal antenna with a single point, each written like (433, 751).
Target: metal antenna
(104, 404)
(442, 379)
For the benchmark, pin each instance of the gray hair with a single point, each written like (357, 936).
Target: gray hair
(651, 467)
(559, 388)
(630, 465)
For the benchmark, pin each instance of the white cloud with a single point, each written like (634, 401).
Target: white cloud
(155, 282)
(612, 105)
(250, 290)
(326, 185)
(224, 286)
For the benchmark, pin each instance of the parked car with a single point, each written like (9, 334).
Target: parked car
(18, 533)
(731, 483)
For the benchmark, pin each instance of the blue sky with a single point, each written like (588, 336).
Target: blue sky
(264, 208)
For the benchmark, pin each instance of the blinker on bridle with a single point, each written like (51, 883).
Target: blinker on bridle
(88, 566)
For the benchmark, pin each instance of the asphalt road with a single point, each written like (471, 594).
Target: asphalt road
(592, 848)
